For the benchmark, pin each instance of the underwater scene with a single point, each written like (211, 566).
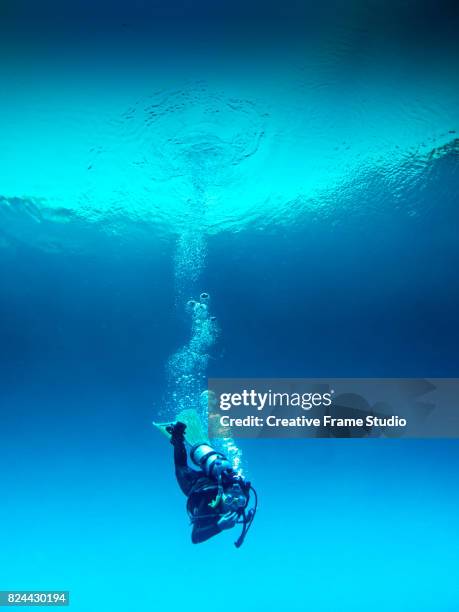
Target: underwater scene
(224, 191)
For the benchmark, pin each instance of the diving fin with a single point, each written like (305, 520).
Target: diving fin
(163, 428)
(194, 433)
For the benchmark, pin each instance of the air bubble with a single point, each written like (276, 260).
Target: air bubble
(190, 305)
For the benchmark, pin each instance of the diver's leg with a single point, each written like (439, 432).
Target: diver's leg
(186, 477)
(180, 456)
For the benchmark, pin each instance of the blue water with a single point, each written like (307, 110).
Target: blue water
(305, 173)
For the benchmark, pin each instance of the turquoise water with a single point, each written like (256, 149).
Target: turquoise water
(156, 147)
(305, 174)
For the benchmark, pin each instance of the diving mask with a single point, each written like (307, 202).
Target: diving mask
(234, 499)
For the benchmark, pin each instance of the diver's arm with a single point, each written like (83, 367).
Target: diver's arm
(203, 533)
(227, 521)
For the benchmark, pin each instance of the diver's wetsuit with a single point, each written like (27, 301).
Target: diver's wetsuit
(200, 491)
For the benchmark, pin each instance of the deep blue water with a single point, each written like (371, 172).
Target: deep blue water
(325, 207)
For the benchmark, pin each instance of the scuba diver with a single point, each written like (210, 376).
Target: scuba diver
(217, 497)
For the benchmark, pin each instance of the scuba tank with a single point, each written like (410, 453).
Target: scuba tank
(236, 498)
(211, 462)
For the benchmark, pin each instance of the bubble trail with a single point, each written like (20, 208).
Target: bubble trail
(201, 141)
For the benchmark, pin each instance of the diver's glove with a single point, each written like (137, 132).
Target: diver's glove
(227, 521)
(177, 432)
